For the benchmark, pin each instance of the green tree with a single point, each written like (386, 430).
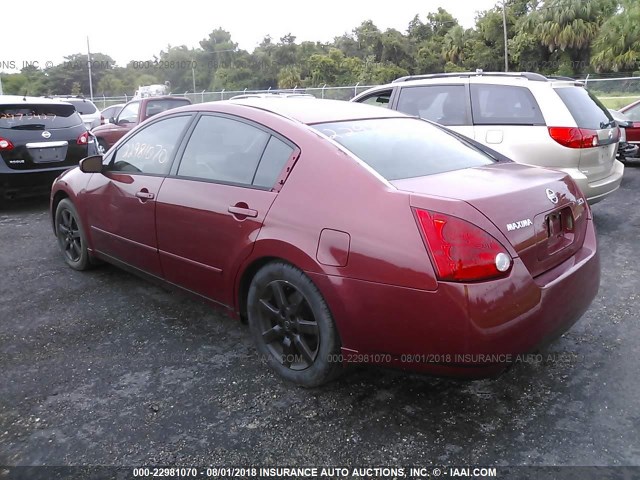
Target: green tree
(617, 46)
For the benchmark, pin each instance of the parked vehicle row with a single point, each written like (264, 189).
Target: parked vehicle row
(345, 232)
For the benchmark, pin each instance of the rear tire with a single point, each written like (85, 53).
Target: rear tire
(292, 326)
(71, 236)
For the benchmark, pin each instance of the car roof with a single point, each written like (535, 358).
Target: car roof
(17, 99)
(310, 111)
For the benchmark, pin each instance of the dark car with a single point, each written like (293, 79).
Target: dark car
(39, 139)
(341, 232)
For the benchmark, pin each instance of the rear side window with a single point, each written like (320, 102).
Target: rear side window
(38, 116)
(399, 148)
(444, 104)
(272, 162)
(504, 105)
(585, 108)
(157, 106)
(223, 150)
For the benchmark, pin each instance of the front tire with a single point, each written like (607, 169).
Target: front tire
(292, 326)
(71, 236)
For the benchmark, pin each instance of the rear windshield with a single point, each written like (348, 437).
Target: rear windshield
(38, 116)
(585, 108)
(399, 148)
(83, 107)
(157, 106)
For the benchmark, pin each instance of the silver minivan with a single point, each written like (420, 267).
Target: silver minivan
(533, 119)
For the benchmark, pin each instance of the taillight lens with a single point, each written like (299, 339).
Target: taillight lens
(462, 251)
(5, 144)
(83, 138)
(573, 137)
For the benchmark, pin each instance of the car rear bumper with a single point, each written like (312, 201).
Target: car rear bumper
(24, 183)
(468, 330)
(599, 189)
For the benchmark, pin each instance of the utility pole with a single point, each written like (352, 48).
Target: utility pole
(504, 27)
(89, 65)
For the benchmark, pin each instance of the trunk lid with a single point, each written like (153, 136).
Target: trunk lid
(519, 201)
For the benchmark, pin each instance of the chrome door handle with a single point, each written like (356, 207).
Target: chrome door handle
(246, 212)
(145, 195)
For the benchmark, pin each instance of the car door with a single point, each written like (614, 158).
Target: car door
(211, 209)
(122, 200)
(447, 105)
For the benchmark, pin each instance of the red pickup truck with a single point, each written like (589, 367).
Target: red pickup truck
(132, 114)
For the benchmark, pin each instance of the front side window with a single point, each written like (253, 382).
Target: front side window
(129, 113)
(224, 150)
(444, 104)
(399, 148)
(150, 150)
(378, 99)
(504, 105)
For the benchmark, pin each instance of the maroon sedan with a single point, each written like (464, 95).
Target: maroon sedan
(342, 232)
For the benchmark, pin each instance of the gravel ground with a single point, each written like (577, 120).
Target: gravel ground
(104, 368)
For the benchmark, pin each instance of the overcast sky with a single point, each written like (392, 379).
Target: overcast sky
(46, 31)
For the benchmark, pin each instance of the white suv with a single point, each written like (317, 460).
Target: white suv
(551, 122)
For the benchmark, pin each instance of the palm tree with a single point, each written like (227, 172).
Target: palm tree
(617, 47)
(453, 45)
(569, 24)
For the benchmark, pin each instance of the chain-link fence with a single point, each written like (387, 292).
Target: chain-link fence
(334, 93)
(613, 92)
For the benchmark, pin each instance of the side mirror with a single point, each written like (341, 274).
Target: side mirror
(91, 164)
(111, 120)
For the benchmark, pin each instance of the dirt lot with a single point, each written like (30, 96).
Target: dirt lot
(105, 368)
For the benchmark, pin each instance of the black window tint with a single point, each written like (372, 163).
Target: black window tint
(223, 150)
(157, 106)
(444, 104)
(378, 99)
(38, 116)
(399, 148)
(585, 109)
(504, 105)
(151, 149)
(273, 161)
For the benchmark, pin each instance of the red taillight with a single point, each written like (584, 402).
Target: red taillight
(5, 144)
(461, 251)
(101, 120)
(572, 137)
(83, 138)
